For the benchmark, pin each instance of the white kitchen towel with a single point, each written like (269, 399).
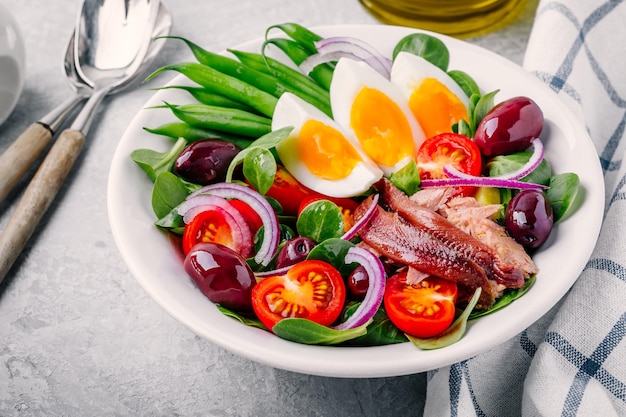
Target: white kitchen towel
(572, 362)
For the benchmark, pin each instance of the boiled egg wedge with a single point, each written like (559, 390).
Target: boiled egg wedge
(319, 153)
(436, 100)
(366, 103)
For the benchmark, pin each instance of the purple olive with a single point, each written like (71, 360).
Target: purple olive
(205, 161)
(529, 218)
(294, 251)
(509, 127)
(221, 274)
(358, 282)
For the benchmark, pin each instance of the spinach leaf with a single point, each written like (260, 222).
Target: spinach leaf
(320, 220)
(467, 83)
(453, 334)
(563, 194)
(334, 252)
(172, 222)
(259, 167)
(503, 164)
(428, 47)
(168, 192)
(407, 179)
(479, 108)
(153, 162)
(462, 127)
(267, 142)
(248, 321)
(310, 333)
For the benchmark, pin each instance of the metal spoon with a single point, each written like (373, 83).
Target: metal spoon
(101, 64)
(19, 157)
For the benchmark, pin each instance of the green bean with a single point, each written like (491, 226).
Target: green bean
(323, 73)
(191, 133)
(226, 85)
(288, 75)
(233, 121)
(206, 96)
(234, 68)
(261, 79)
(298, 33)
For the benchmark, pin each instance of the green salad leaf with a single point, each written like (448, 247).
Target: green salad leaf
(311, 333)
(321, 220)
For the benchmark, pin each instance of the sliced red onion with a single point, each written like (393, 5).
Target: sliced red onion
(273, 272)
(533, 162)
(271, 233)
(482, 182)
(352, 232)
(333, 48)
(195, 204)
(314, 60)
(374, 296)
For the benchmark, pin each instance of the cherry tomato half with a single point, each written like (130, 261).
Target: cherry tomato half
(218, 225)
(311, 290)
(423, 309)
(448, 148)
(288, 191)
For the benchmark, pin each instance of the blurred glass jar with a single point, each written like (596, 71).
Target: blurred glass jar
(12, 63)
(451, 17)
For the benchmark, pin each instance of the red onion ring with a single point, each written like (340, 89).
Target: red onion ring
(457, 178)
(273, 272)
(533, 162)
(482, 182)
(333, 48)
(271, 233)
(375, 291)
(362, 221)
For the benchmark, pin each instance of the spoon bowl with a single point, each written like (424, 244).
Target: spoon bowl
(99, 70)
(24, 150)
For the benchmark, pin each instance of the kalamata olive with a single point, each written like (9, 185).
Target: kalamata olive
(509, 127)
(294, 251)
(221, 274)
(205, 161)
(529, 218)
(358, 282)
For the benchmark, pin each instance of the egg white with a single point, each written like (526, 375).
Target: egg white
(292, 111)
(408, 71)
(349, 78)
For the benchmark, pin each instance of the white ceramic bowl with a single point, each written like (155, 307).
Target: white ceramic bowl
(153, 260)
(12, 63)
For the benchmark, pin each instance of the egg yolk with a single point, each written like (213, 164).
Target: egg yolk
(435, 107)
(381, 127)
(325, 151)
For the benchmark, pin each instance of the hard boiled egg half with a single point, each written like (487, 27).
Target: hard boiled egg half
(435, 99)
(319, 153)
(367, 104)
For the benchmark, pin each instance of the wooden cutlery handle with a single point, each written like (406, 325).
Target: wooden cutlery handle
(38, 196)
(22, 153)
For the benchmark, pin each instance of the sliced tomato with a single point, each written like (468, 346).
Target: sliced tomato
(346, 205)
(311, 290)
(421, 309)
(288, 191)
(219, 225)
(449, 148)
